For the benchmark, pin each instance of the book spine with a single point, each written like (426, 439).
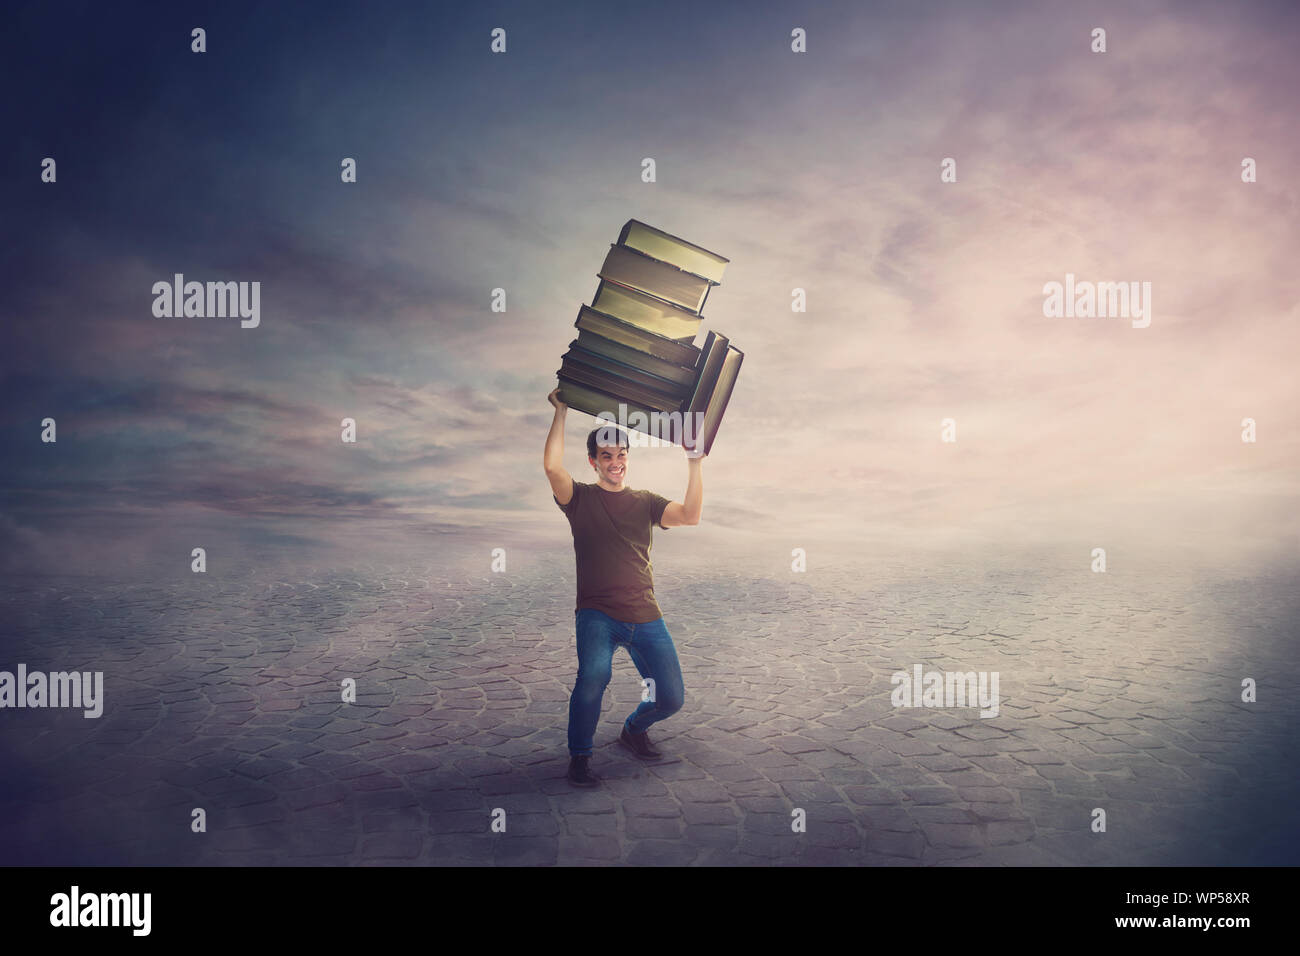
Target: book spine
(710, 368)
(726, 400)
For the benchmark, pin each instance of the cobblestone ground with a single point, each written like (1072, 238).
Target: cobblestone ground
(1118, 691)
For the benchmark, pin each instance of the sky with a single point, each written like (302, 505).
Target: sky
(818, 170)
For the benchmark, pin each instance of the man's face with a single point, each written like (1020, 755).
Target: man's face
(610, 463)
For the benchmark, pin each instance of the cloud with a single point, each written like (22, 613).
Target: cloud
(818, 171)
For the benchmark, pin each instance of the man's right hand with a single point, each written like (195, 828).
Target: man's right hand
(554, 399)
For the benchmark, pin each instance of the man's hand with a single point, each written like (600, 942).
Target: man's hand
(554, 399)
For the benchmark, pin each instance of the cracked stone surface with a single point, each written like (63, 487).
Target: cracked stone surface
(1119, 693)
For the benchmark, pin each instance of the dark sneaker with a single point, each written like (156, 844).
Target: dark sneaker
(580, 774)
(639, 744)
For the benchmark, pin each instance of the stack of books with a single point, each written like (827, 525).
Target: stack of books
(636, 341)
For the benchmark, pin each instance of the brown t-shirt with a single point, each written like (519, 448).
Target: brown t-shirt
(611, 541)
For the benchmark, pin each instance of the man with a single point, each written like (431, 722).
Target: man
(616, 604)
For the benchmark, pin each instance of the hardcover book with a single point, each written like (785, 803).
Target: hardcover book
(686, 256)
(597, 403)
(676, 391)
(637, 337)
(617, 386)
(638, 271)
(679, 374)
(717, 404)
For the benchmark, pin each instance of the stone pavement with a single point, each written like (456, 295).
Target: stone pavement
(1117, 691)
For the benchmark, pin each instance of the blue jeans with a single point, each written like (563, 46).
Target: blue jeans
(651, 648)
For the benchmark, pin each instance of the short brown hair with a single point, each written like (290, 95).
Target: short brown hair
(610, 434)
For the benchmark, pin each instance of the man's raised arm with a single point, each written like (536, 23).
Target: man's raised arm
(553, 459)
(680, 513)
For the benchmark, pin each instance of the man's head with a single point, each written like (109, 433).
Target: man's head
(607, 448)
